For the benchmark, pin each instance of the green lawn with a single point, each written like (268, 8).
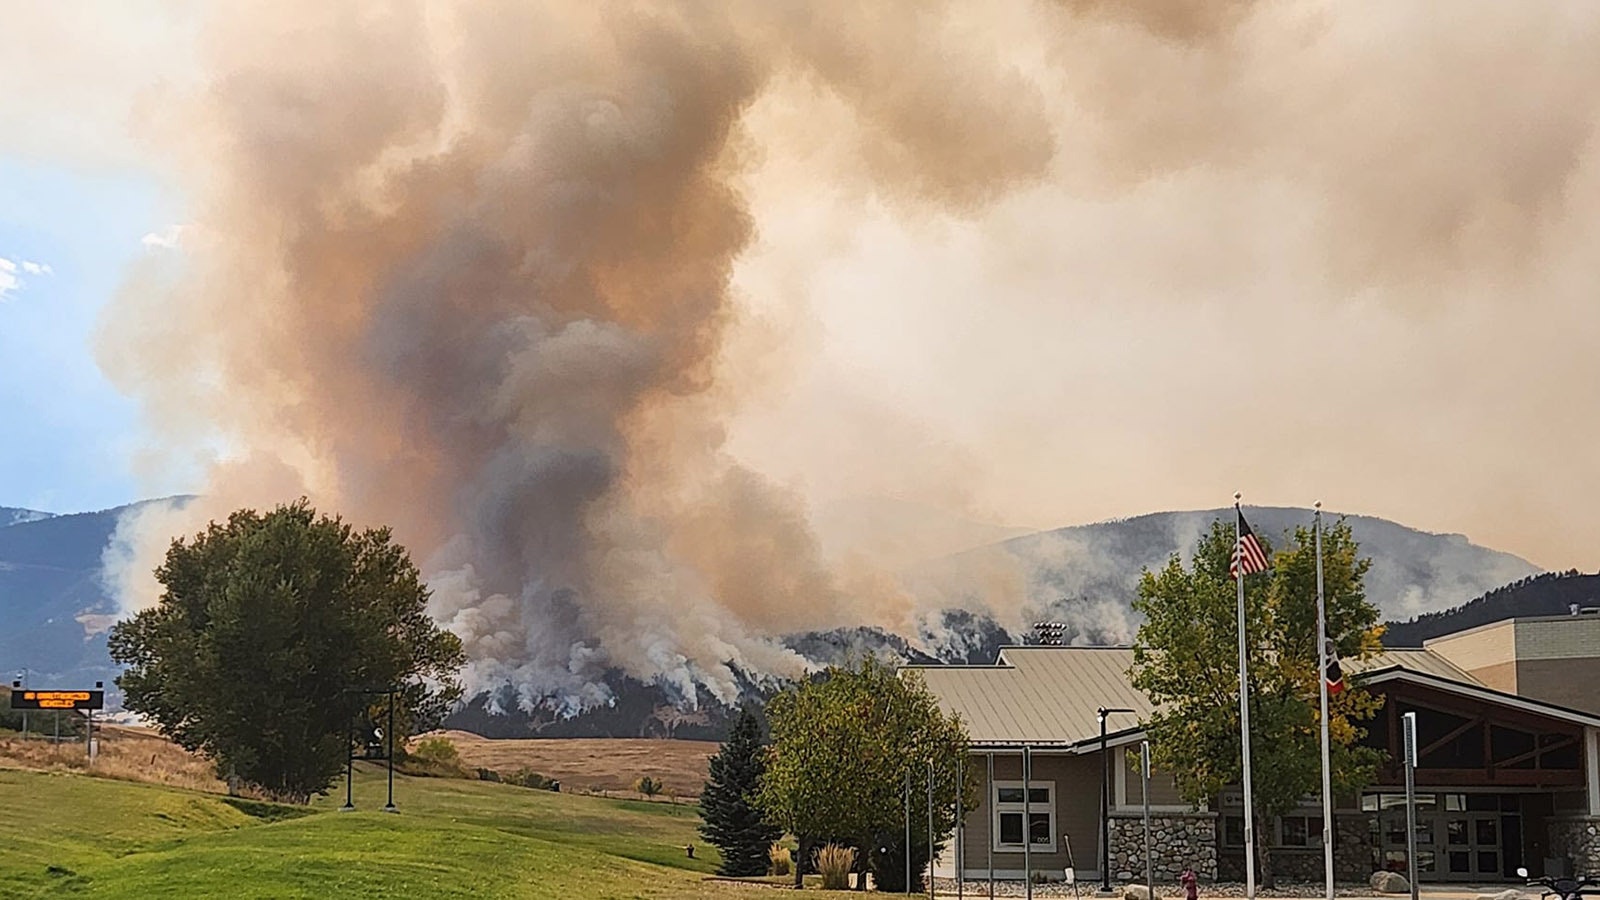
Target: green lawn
(70, 834)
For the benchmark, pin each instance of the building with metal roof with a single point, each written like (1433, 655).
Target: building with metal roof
(1507, 779)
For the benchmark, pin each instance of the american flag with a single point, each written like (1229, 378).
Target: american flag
(1248, 556)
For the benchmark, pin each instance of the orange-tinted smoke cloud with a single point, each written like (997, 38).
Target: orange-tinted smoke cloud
(466, 271)
(591, 301)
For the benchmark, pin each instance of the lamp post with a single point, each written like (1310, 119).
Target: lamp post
(1105, 798)
(389, 807)
(349, 766)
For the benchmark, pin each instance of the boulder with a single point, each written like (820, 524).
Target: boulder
(1137, 892)
(1390, 883)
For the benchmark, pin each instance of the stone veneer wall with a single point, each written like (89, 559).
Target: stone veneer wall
(1352, 848)
(1352, 856)
(1579, 839)
(1178, 841)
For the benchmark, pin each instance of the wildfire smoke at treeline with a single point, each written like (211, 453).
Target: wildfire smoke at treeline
(522, 281)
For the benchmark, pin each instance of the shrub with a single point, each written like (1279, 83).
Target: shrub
(834, 864)
(888, 861)
(438, 750)
(433, 756)
(648, 786)
(528, 778)
(488, 775)
(782, 862)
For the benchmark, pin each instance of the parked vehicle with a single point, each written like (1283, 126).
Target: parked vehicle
(1563, 888)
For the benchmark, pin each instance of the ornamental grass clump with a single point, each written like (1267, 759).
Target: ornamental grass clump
(835, 863)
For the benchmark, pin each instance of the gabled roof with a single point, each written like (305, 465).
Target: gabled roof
(1477, 691)
(1416, 660)
(1049, 696)
(1039, 695)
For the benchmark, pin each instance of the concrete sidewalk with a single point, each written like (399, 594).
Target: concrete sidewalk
(979, 890)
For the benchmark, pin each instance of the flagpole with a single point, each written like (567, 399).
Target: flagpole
(1322, 684)
(1244, 706)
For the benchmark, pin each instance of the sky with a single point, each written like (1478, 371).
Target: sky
(79, 193)
(1183, 276)
(608, 309)
(68, 432)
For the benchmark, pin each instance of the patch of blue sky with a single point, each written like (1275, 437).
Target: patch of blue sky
(66, 434)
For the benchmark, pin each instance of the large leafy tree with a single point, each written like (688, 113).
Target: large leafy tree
(268, 629)
(1186, 662)
(731, 819)
(844, 746)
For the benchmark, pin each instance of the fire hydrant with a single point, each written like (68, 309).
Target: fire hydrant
(1191, 884)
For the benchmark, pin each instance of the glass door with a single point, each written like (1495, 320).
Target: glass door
(1472, 846)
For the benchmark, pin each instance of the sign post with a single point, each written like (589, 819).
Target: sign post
(1409, 727)
(86, 701)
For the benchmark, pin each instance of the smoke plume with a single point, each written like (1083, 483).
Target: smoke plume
(605, 306)
(468, 271)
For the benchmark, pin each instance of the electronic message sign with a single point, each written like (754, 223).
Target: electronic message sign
(21, 699)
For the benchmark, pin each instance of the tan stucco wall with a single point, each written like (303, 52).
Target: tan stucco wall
(1500, 676)
(1573, 683)
(1555, 659)
(1478, 648)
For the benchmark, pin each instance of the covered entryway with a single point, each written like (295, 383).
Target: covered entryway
(1460, 837)
(1492, 770)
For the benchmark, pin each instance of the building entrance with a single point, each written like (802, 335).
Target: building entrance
(1460, 837)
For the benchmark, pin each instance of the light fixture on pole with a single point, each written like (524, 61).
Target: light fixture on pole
(387, 735)
(1050, 634)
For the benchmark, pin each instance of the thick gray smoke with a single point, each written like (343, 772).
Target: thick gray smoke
(466, 270)
(600, 304)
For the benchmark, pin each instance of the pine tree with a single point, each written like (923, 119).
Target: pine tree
(732, 821)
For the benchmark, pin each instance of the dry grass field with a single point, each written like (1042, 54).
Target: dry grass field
(594, 765)
(610, 765)
(128, 754)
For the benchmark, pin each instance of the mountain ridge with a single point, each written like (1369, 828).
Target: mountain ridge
(53, 597)
(17, 515)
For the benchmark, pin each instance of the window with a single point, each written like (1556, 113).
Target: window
(1233, 831)
(1297, 831)
(1040, 812)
